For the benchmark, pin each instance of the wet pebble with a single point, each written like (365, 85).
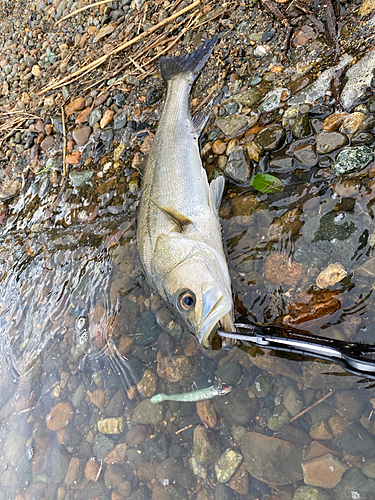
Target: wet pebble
(60, 416)
(102, 445)
(280, 416)
(113, 425)
(302, 126)
(350, 404)
(334, 121)
(306, 154)
(227, 465)
(310, 493)
(233, 125)
(293, 401)
(95, 117)
(354, 484)
(240, 481)
(327, 141)
(206, 413)
(236, 407)
(238, 167)
(352, 159)
(173, 369)
(271, 460)
(205, 445)
(271, 138)
(325, 471)
(356, 440)
(148, 413)
(352, 122)
(78, 179)
(81, 135)
(229, 373)
(333, 274)
(77, 105)
(158, 448)
(147, 331)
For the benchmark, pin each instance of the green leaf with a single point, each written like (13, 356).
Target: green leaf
(266, 183)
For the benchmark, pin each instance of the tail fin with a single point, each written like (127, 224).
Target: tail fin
(191, 63)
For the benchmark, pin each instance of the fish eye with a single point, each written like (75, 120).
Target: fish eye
(186, 300)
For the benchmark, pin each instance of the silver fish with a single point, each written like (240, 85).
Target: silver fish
(178, 229)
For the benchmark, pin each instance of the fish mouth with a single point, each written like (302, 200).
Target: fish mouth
(216, 312)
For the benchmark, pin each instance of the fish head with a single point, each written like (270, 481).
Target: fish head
(197, 285)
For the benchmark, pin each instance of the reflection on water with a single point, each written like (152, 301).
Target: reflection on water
(84, 345)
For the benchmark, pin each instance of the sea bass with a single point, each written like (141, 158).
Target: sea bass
(179, 234)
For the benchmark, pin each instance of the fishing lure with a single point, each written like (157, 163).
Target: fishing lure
(200, 395)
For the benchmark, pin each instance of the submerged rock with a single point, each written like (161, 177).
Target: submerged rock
(271, 460)
(233, 125)
(238, 167)
(353, 159)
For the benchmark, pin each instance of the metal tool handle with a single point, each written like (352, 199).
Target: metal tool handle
(354, 357)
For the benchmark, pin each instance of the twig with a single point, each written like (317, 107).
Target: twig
(311, 407)
(82, 9)
(184, 429)
(317, 23)
(331, 25)
(280, 16)
(64, 140)
(102, 59)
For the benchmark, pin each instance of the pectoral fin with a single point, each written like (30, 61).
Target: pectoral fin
(178, 218)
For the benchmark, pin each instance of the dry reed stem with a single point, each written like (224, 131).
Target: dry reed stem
(123, 46)
(311, 406)
(82, 9)
(64, 140)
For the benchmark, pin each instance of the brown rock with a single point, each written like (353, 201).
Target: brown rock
(97, 398)
(306, 154)
(73, 158)
(367, 7)
(92, 470)
(158, 493)
(60, 416)
(288, 224)
(305, 34)
(334, 121)
(320, 431)
(42, 451)
(315, 450)
(352, 122)
(47, 143)
(107, 118)
(101, 98)
(125, 344)
(49, 128)
(312, 305)
(271, 460)
(206, 413)
(173, 369)
(337, 425)
(245, 204)
(190, 345)
(74, 472)
(278, 269)
(148, 384)
(240, 481)
(146, 471)
(325, 471)
(254, 151)
(83, 116)
(117, 455)
(116, 495)
(105, 31)
(81, 135)
(219, 147)
(75, 106)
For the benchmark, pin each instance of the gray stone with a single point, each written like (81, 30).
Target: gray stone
(114, 476)
(148, 413)
(229, 373)
(173, 470)
(293, 400)
(355, 485)
(249, 97)
(95, 117)
(206, 446)
(30, 61)
(358, 441)
(301, 126)
(102, 446)
(271, 460)
(368, 467)
(233, 125)
(350, 403)
(238, 167)
(78, 179)
(120, 120)
(14, 447)
(353, 159)
(280, 416)
(327, 141)
(236, 407)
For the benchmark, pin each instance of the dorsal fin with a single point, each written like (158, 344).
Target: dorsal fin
(178, 218)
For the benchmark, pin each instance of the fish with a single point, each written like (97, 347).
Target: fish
(179, 235)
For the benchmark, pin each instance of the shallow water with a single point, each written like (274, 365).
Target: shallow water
(81, 337)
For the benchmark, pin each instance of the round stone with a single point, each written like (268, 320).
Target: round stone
(271, 138)
(352, 160)
(327, 141)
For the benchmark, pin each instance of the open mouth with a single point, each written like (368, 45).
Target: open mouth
(216, 314)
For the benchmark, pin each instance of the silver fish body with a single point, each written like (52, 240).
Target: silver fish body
(178, 229)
